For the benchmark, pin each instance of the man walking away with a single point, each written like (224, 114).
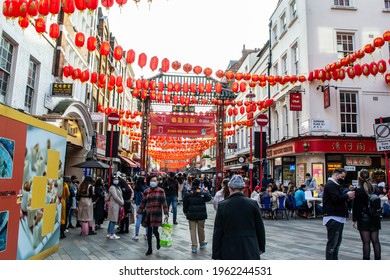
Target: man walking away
(335, 212)
(171, 188)
(239, 232)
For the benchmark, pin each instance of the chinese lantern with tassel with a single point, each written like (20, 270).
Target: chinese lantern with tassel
(153, 63)
(32, 7)
(92, 5)
(378, 42)
(187, 67)
(91, 43)
(40, 25)
(387, 79)
(118, 53)
(165, 65)
(79, 39)
(105, 48)
(382, 66)
(107, 3)
(142, 60)
(68, 6)
(24, 22)
(197, 70)
(176, 65)
(130, 56)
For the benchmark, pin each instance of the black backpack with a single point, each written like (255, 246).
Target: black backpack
(374, 205)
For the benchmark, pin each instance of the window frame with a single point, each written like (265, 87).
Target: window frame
(344, 52)
(342, 3)
(387, 4)
(348, 116)
(295, 57)
(6, 69)
(31, 84)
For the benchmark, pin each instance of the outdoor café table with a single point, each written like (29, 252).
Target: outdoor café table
(312, 201)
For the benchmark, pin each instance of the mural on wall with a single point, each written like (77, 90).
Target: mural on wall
(42, 183)
(6, 157)
(32, 156)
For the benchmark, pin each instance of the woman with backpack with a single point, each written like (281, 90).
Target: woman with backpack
(365, 216)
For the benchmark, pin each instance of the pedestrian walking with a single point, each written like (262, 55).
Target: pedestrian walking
(140, 187)
(335, 212)
(85, 207)
(115, 198)
(171, 188)
(222, 194)
(194, 207)
(239, 232)
(151, 208)
(368, 225)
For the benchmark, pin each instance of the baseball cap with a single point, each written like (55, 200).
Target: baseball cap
(73, 177)
(236, 182)
(381, 184)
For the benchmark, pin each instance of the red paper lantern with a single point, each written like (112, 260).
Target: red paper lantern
(238, 76)
(378, 42)
(165, 65)
(197, 70)
(23, 8)
(177, 87)
(386, 36)
(360, 54)
(129, 82)
(218, 87)
(170, 86)
(382, 66)
(92, 5)
(358, 69)
(105, 48)
(193, 87)
(242, 86)
(351, 72)
(220, 74)
(6, 9)
(209, 87)
(176, 65)
(32, 7)
(142, 60)
(242, 110)
(387, 79)
(369, 48)
(118, 53)
(341, 73)
(235, 87)
(152, 85)
(160, 86)
(373, 68)
(40, 25)
(84, 77)
(119, 81)
(79, 39)
(130, 56)
(201, 87)
(207, 72)
(366, 69)
(67, 71)
(91, 43)
(229, 75)
(102, 78)
(80, 5)
(94, 78)
(54, 31)
(121, 2)
(187, 67)
(153, 63)
(107, 3)
(43, 7)
(68, 6)
(247, 76)
(185, 87)
(24, 22)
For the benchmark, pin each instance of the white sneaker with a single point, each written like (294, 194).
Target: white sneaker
(135, 237)
(108, 235)
(146, 238)
(114, 236)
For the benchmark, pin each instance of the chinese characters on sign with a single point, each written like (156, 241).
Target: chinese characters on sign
(183, 109)
(62, 89)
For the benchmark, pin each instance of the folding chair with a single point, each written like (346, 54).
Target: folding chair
(281, 207)
(267, 207)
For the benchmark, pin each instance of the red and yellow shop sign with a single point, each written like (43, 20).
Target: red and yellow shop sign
(358, 161)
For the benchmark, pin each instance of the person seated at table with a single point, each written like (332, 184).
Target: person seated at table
(276, 193)
(255, 193)
(319, 192)
(301, 202)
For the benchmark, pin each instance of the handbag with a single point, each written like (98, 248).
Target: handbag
(166, 235)
(121, 214)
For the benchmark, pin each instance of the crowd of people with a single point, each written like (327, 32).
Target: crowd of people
(238, 231)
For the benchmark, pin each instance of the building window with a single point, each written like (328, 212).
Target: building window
(6, 50)
(32, 71)
(295, 58)
(348, 111)
(277, 132)
(276, 73)
(345, 44)
(387, 4)
(275, 33)
(284, 65)
(293, 9)
(344, 3)
(283, 22)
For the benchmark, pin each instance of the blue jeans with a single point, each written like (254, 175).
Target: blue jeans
(111, 228)
(173, 200)
(138, 221)
(335, 235)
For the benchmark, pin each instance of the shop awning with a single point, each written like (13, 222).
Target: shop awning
(129, 161)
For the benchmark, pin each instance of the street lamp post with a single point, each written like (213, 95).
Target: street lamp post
(249, 96)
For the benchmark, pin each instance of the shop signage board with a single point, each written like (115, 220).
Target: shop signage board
(382, 136)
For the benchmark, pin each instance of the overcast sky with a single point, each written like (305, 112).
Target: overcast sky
(208, 33)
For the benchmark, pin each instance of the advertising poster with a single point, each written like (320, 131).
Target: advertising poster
(32, 164)
(318, 172)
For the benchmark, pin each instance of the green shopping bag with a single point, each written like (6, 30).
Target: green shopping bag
(166, 235)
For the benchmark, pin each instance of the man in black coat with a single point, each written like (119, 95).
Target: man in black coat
(335, 211)
(171, 188)
(239, 232)
(194, 207)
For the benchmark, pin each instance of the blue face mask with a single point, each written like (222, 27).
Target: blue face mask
(115, 182)
(153, 184)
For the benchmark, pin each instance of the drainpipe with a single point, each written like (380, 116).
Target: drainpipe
(269, 73)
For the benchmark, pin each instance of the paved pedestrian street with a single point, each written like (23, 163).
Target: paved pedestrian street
(295, 239)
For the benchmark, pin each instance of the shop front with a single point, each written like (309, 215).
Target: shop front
(320, 155)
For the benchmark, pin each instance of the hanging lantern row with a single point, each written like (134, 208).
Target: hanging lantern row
(20, 8)
(122, 113)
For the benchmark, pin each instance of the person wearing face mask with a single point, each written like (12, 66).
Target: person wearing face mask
(335, 211)
(152, 205)
(116, 202)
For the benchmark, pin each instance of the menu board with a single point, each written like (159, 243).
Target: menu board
(301, 171)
